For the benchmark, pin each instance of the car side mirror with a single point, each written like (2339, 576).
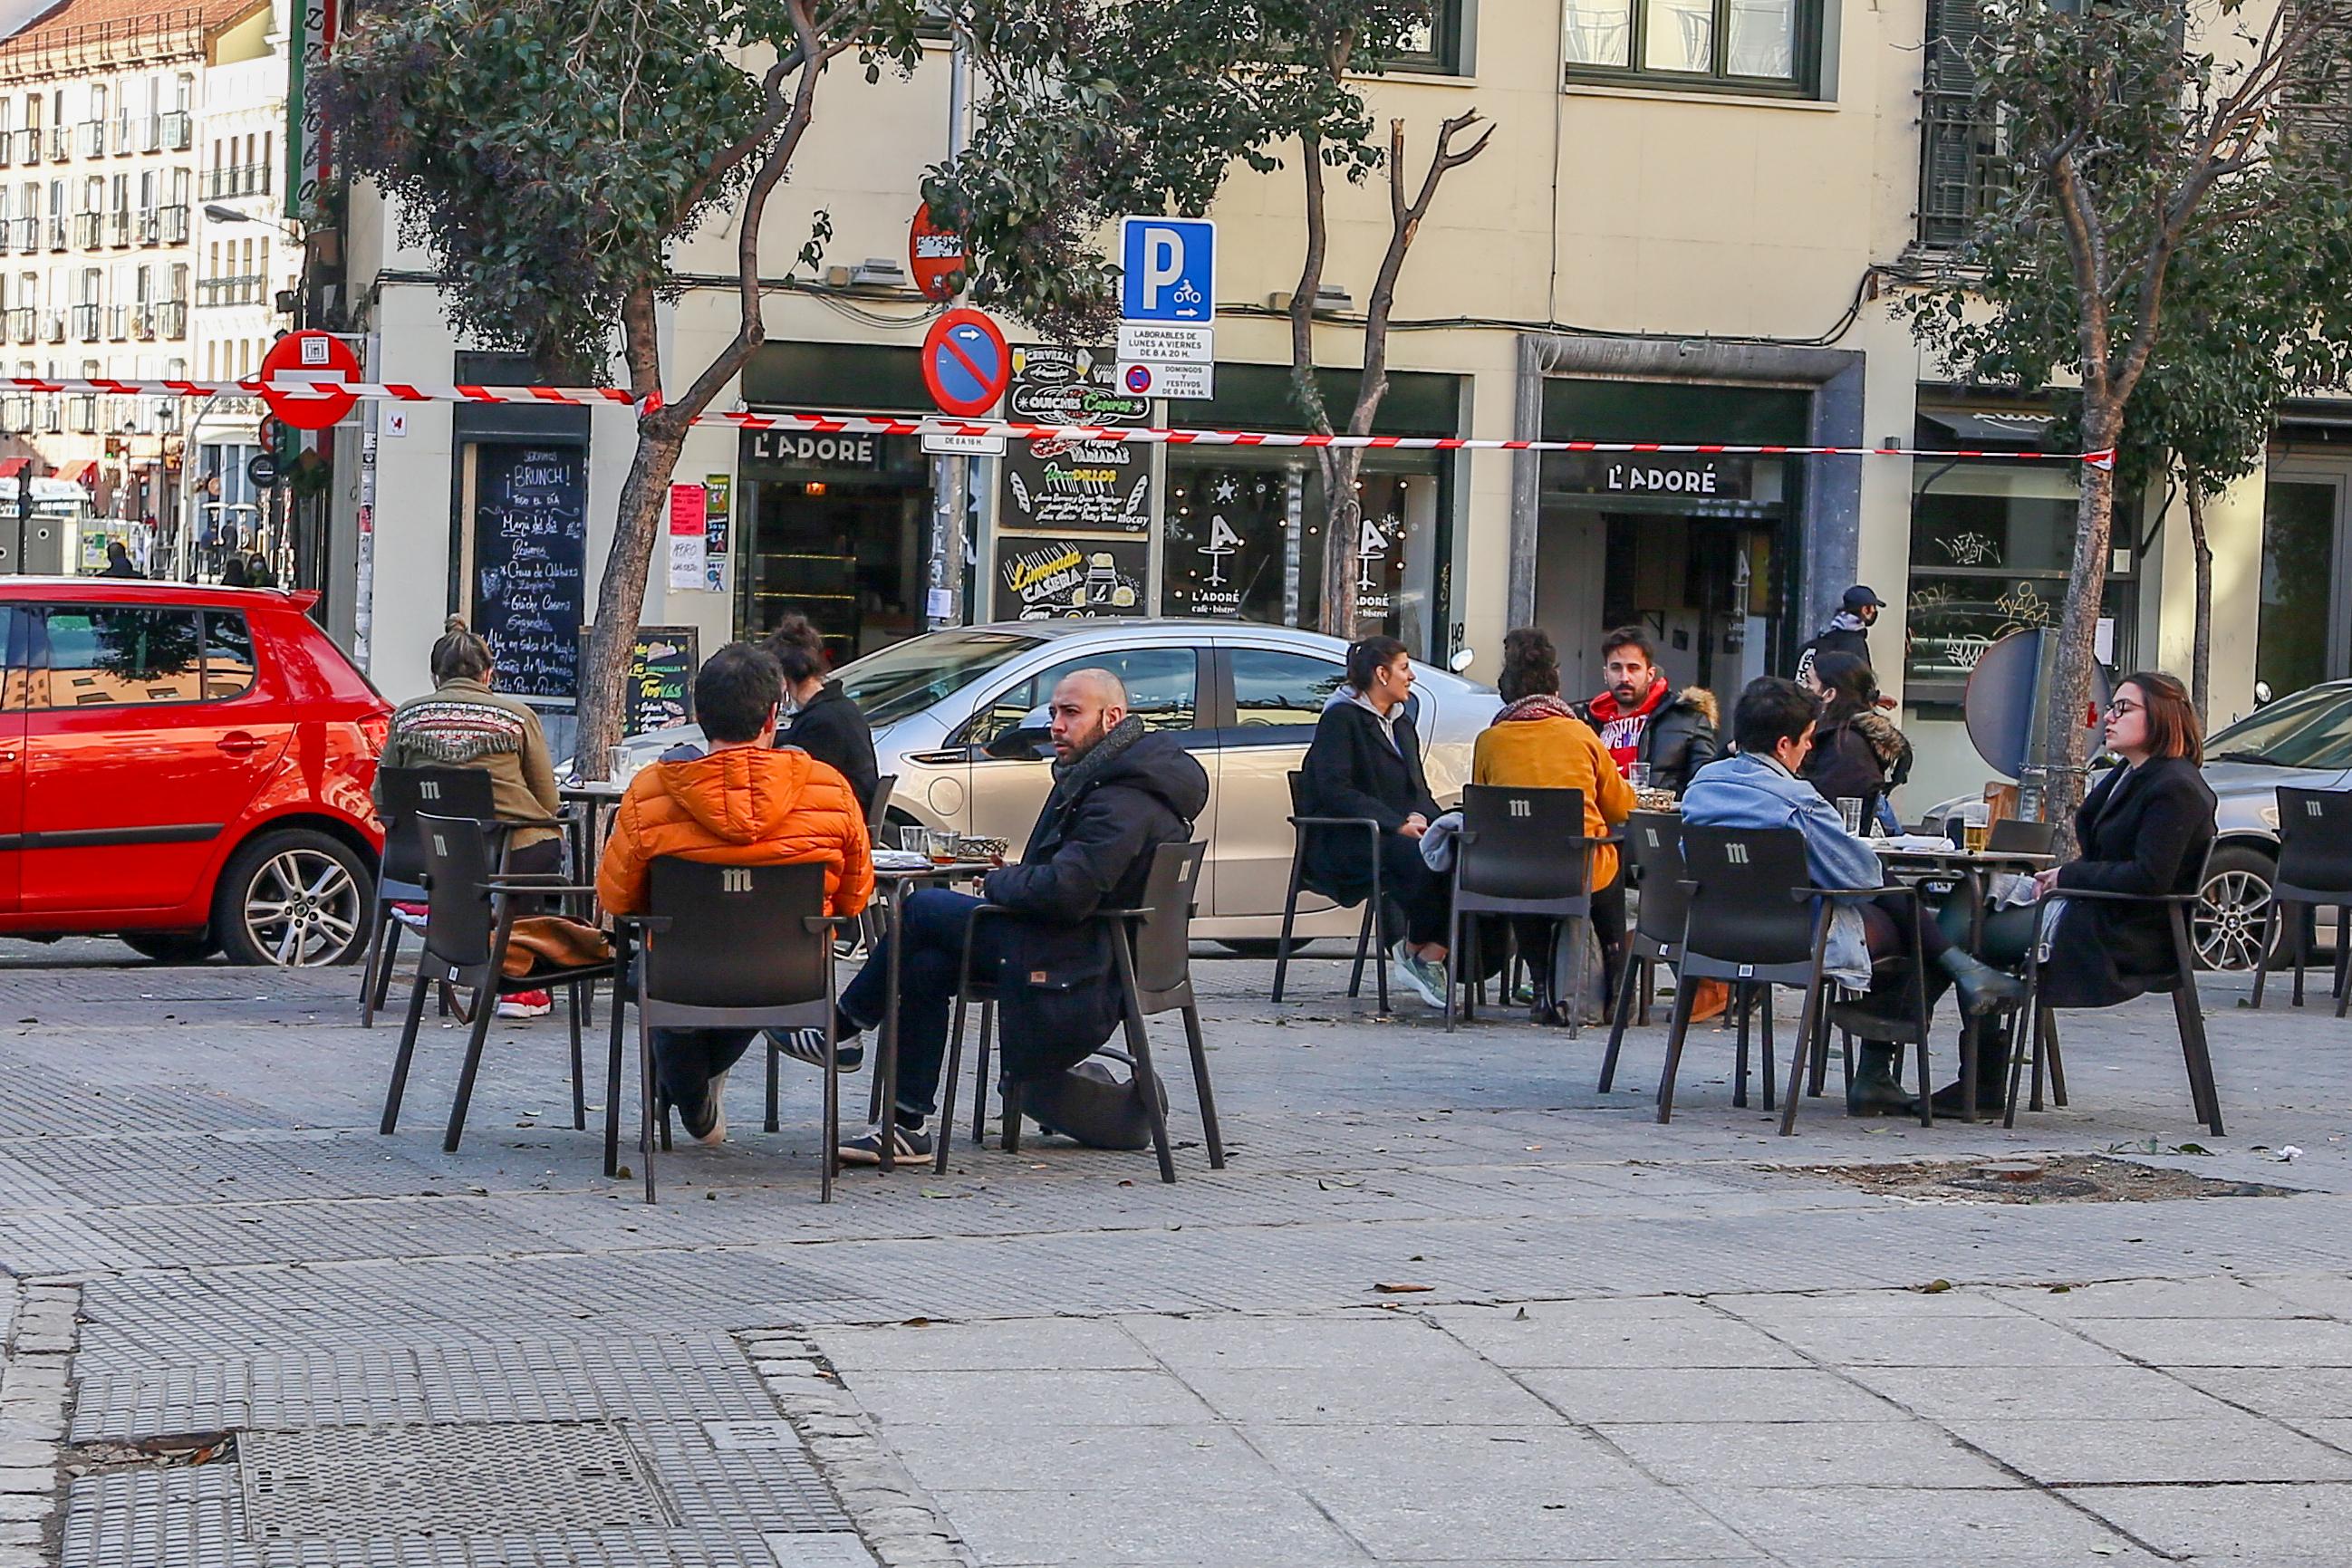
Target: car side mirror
(1031, 740)
(2262, 692)
(1463, 659)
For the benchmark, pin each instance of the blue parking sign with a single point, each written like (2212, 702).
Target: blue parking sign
(1171, 269)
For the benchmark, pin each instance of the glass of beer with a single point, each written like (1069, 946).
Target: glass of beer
(1976, 828)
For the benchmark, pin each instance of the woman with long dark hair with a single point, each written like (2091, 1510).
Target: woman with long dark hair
(1857, 751)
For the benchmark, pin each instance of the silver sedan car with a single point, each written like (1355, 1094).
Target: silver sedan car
(959, 718)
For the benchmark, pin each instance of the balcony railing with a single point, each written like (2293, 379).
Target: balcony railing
(143, 323)
(175, 223)
(86, 226)
(57, 231)
(93, 139)
(84, 322)
(249, 288)
(28, 145)
(171, 318)
(118, 322)
(175, 129)
(60, 143)
(7, 148)
(16, 413)
(27, 234)
(20, 324)
(53, 325)
(82, 413)
(236, 180)
(118, 227)
(148, 227)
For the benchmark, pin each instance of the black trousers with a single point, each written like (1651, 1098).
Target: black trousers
(1426, 897)
(1887, 932)
(1537, 936)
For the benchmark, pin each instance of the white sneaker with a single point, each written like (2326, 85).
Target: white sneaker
(1419, 975)
(718, 1134)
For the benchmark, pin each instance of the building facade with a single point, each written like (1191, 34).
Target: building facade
(1690, 227)
(100, 234)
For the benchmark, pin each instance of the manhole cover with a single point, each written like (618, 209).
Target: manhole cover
(339, 1483)
(2062, 1179)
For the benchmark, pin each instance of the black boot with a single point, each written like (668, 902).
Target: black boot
(1983, 990)
(1992, 1077)
(1877, 1089)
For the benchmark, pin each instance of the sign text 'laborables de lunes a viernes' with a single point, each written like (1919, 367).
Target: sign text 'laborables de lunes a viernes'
(1698, 475)
(1058, 580)
(1102, 486)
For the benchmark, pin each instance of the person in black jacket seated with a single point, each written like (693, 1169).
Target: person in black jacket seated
(1119, 794)
(825, 724)
(2143, 829)
(1365, 761)
(1857, 751)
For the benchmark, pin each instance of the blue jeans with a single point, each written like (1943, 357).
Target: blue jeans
(933, 930)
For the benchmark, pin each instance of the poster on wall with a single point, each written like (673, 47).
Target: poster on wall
(689, 544)
(1097, 487)
(531, 552)
(657, 689)
(1069, 579)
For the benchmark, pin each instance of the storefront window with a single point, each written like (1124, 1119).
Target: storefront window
(1992, 544)
(1246, 540)
(836, 532)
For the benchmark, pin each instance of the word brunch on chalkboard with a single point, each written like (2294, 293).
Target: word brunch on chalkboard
(531, 554)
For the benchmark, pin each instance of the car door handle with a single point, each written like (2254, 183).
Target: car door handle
(237, 743)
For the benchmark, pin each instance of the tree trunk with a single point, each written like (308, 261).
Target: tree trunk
(2201, 653)
(1343, 532)
(2067, 739)
(621, 595)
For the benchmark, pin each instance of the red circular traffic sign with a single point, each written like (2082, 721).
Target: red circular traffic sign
(319, 357)
(966, 363)
(935, 256)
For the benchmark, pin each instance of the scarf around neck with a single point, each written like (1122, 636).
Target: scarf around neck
(1070, 777)
(1540, 705)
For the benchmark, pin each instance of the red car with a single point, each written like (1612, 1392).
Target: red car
(186, 768)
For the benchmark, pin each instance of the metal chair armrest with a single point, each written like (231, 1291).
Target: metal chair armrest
(529, 884)
(1899, 891)
(2101, 896)
(1371, 822)
(654, 922)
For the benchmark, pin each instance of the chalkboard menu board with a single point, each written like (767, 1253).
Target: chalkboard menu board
(658, 691)
(531, 554)
(1069, 579)
(1098, 487)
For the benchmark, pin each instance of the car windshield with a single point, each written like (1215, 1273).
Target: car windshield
(2310, 729)
(910, 676)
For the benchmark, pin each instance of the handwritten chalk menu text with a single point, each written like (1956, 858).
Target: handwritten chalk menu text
(531, 552)
(1098, 487)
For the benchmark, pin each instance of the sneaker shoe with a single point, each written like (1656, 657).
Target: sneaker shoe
(526, 1005)
(410, 914)
(1419, 975)
(808, 1045)
(709, 1124)
(907, 1144)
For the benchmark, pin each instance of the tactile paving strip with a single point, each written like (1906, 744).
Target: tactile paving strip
(144, 1518)
(778, 1488)
(334, 1483)
(113, 1173)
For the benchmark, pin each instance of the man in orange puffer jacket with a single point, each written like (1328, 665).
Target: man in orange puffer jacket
(742, 803)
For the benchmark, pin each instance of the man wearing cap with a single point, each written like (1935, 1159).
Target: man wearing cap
(1847, 632)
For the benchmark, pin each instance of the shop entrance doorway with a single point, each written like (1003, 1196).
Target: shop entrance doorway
(837, 536)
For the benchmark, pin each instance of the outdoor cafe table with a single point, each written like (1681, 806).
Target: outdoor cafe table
(1969, 869)
(896, 885)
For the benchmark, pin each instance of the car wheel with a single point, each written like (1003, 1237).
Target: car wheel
(293, 899)
(2232, 908)
(172, 946)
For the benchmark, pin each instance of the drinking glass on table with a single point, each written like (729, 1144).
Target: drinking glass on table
(915, 841)
(1637, 773)
(1850, 807)
(941, 847)
(1976, 828)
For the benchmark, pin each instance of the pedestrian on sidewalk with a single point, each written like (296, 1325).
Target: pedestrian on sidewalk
(1847, 632)
(742, 803)
(465, 723)
(1119, 793)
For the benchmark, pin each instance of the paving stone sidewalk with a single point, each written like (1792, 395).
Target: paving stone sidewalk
(1448, 1304)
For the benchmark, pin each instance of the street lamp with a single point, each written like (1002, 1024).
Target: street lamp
(218, 213)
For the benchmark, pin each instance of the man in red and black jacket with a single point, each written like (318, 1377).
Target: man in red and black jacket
(1641, 719)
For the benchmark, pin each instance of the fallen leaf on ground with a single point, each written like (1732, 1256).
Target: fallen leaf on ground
(1933, 1287)
(1402, 1290)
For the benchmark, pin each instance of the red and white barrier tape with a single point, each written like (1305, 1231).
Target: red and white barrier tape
(875, 425)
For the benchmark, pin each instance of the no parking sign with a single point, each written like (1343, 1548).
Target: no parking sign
(966, 363)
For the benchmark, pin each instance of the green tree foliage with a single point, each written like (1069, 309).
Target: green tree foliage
(2171, 210)
(1092, 111)
(552, 153)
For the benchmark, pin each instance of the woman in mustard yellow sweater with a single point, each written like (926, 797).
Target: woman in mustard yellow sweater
(1537, 743)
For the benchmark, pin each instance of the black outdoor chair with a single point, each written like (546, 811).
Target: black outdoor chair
(1524, 852)
(1366, 939)
(2189, 1018)
(727, 947)
(1755, 919)
(407, 792)
(1653, 874)
(2315, 869)
(1153, 953)
(470, 914)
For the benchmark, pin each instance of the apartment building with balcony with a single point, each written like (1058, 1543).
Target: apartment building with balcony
(99, 172)
(247, 263)
(1688, 228)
